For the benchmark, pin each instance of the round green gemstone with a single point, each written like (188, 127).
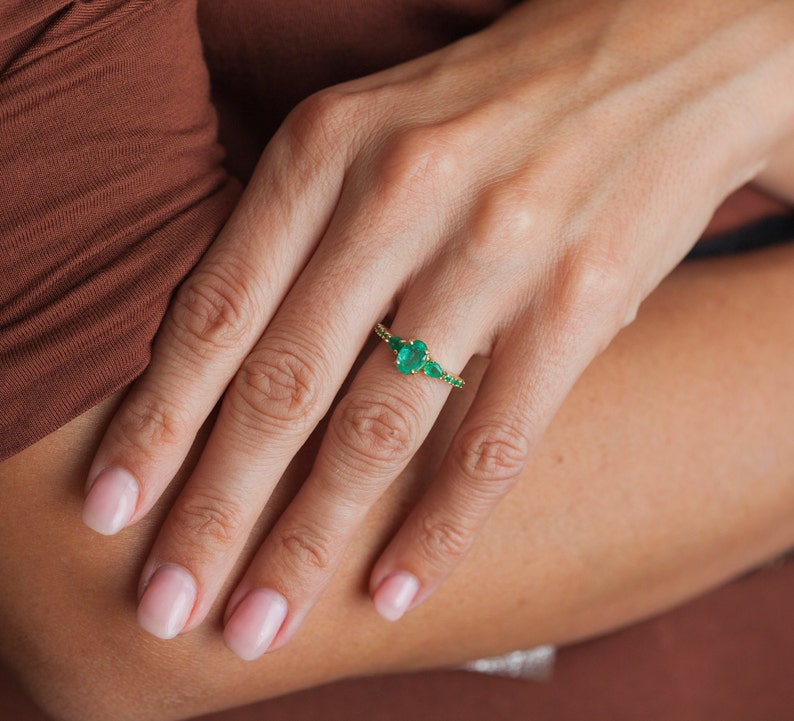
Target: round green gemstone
(411, 357)
(395, 343)
(433, 369)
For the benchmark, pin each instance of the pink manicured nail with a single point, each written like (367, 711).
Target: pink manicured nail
(167, 601)
(255, 623)
(111, 501)
(395, 594)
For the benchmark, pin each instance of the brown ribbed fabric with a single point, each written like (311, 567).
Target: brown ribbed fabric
(111, 184)
(111, 189)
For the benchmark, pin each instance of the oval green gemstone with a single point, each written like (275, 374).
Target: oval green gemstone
(433, 370)
(411, 357)
(395, 343)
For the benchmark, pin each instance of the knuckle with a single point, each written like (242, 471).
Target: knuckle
(494, 453)
(594, 286)
(420, 163)
(378, 433)
(320, 121)
(442, 540)
(304, 546)
(505, 218)
(510, 209)
(205, 519)
(280, 385)
(211, 311)
(148, 420)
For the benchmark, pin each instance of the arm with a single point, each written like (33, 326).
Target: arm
(666, 472)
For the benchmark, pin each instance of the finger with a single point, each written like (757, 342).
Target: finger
(374, 432)
(281, 393)
(283, 389)
(531, 371)
(212, 323)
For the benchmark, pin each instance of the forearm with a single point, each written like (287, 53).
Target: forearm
(667, 470)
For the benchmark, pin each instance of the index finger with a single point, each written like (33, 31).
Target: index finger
(214, 320)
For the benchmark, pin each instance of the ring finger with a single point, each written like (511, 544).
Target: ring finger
(374, 432)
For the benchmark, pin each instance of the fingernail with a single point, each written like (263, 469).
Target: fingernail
(111, 501)
(395, 594)
(255, 623)
(167, 601)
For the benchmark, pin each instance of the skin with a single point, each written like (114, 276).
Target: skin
(666, 471)
(464, 183)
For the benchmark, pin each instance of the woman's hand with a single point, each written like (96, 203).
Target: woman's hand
(516, 196)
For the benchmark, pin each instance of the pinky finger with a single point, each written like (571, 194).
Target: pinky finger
(486, 457)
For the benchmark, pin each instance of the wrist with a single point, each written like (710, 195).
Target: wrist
(767, 101)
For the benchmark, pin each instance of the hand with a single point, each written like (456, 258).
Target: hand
(515, 196)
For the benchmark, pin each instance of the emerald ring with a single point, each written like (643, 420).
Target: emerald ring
(413, 356)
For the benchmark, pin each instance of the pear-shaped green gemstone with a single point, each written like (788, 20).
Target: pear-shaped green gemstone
(411, 357)
(395, 343)
(433, 370)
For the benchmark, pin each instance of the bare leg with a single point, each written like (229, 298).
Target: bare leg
(667, 471)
